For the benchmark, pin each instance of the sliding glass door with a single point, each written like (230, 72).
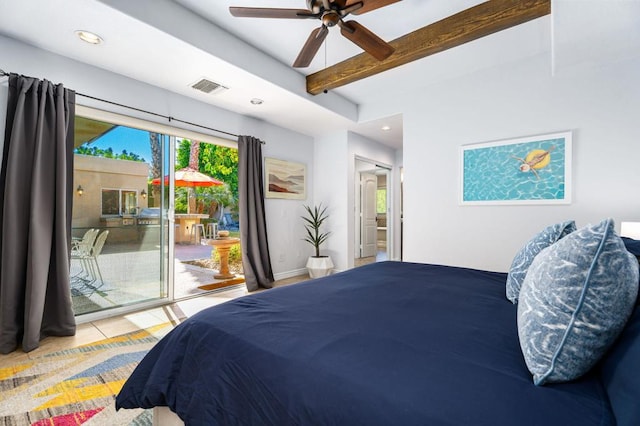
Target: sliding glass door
(205, 202)
(145, 205)
(119, 226)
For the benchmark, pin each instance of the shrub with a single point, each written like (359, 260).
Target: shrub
(235, 255)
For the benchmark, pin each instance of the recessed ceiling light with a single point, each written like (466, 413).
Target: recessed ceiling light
(386, 128)
(256, 101)
(89, 37)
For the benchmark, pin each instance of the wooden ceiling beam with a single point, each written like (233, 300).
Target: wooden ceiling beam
(470, 24)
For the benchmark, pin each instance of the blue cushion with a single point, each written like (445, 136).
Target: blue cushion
(575, 301)
(632, 245)
(620, 373)
(525, 256)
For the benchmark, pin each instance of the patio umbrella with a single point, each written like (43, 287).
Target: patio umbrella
(190, 177)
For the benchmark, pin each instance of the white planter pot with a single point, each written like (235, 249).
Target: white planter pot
(319, 266)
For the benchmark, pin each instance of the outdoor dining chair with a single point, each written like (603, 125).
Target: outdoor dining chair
(90, 269)
(80, 250)
(93, 258)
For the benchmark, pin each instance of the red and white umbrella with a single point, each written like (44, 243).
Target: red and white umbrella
(190, 177)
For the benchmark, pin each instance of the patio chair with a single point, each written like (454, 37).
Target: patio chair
(229, 223)
(80, 245)
(90, 269)
(80, 250)
(93, 258)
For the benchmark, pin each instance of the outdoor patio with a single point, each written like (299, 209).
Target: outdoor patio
(131, 273)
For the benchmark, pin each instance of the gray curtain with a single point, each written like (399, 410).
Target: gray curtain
(253, 227)
(36, 182)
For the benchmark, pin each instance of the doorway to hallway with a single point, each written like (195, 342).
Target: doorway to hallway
(373, 213)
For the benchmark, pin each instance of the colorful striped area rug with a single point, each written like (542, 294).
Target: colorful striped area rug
(76, 386)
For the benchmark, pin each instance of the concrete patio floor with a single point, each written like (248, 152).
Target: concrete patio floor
(132, 273)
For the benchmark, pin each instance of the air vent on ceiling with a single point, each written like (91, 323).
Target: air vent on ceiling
(208, 86)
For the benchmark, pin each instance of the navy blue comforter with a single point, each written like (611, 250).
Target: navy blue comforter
(385, 344)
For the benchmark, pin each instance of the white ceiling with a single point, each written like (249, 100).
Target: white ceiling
(173, 43)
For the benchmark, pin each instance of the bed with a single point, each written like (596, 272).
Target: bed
(387, 343)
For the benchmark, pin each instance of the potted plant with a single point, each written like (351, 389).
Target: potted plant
(318, 266)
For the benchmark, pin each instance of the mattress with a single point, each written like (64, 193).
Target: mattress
(387, 343)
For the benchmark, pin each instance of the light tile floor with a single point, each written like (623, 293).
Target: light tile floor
(102, 329)
(380, 256)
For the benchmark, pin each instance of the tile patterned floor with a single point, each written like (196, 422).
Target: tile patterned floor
(97, 330)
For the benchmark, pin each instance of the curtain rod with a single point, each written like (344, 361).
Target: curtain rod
(167, 117)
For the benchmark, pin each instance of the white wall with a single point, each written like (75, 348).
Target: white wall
(284, 239)
(601, 106)
(335, 164)
(331, 189)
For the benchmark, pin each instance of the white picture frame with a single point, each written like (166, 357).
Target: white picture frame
(525, 170)
(285, 179)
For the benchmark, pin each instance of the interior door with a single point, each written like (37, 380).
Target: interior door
(368, 234)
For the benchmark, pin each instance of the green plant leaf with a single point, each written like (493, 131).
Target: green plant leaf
(313, 220)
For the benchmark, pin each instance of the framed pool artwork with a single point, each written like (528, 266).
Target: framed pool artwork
(285, 179)
(526, 170)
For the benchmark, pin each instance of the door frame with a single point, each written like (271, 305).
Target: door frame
(168, 147)
(376, 167)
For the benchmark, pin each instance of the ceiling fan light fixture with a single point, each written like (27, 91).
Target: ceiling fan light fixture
(89, 37)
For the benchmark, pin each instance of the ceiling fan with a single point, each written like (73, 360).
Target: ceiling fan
(331, 13)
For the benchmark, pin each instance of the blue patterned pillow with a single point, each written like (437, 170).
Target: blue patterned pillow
(574, 302)
(525, 256)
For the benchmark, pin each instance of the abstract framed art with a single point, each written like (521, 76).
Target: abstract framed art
(285, 179)
(526, 170)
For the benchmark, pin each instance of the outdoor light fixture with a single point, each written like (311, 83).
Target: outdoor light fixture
(143, 193)
(79, 190)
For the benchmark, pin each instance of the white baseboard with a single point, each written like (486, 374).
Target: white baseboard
(289, 274)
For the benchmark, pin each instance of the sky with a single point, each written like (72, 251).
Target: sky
(132, 140)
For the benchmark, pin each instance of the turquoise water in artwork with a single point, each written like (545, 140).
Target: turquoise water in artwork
(505, 172)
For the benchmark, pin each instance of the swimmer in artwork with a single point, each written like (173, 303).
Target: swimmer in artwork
(535, 160)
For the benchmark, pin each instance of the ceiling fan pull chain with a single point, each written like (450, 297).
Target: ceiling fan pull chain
(325, 52)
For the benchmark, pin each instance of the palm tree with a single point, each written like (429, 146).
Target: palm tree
(194, 163)
(156, 160)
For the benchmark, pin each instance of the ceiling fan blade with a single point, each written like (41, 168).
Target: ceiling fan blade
(368, 41)
(367, 5)
(311, 47)
(264, 12)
